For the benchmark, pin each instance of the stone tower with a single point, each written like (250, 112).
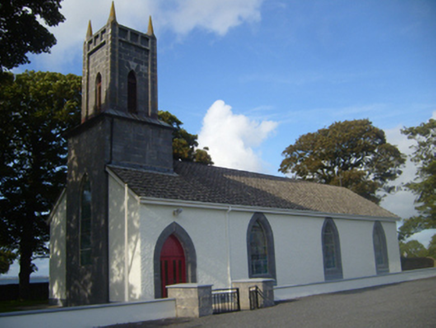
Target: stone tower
(119, 128)
(119, 70)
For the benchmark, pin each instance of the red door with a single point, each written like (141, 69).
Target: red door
(172, 263)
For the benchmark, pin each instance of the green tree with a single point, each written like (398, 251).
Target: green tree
(413, 248)
(6, 259)
(185, 144)
(423, 186)
(21, 31)
(35, 109)
(353, 154)
(432, 247)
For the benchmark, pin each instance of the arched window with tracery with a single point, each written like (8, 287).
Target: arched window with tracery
(380, 249)
(98, 93)
(331, 249)
(85, 221)
(131, 93)
(260, 248)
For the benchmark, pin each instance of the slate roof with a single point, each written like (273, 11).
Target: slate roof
(211, 184)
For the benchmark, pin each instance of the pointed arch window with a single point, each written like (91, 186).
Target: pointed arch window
(98, 93)
(131, 93)
(260, 247)
(331, 249)
(380, 249)
(85, 222)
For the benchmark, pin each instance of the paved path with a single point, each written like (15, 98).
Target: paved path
(409, 304)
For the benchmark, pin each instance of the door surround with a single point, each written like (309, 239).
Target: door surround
(190, 255)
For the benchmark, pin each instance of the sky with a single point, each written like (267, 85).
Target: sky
(251, 76)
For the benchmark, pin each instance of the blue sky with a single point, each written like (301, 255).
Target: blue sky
(251, 76)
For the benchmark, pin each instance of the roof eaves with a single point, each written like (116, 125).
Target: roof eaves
(252, 209)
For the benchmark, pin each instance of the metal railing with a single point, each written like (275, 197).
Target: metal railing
(225, 300)
(256, 296)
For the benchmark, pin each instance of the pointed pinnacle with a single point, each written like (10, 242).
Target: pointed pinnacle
(89, 32)
(112, 16)
(150, 27)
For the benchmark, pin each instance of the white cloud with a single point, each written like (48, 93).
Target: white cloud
(232, 139)
(178, 16)
(402, 202)
(216, 16)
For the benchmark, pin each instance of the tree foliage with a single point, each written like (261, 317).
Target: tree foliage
(185, 144)
(413, 248)
(353, 154)
(423, 186)
(432, 247)
(21, 31)
(36, 108)
(7, 257)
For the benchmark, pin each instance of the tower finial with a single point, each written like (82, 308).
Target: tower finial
(112, 16)
(150, 27)
(89, 32)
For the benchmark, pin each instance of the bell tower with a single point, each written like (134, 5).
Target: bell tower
(120, 127)
(119, 70)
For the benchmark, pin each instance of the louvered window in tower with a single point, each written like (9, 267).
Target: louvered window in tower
(131, 93)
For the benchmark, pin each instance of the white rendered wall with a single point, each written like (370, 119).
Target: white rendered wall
(92, 315)
(298, 247)
(297, 241)
(238, 223)
(58, 226)
(390, 229)
(116, 241)
(118, 261)
(357, 248)
(206, 229)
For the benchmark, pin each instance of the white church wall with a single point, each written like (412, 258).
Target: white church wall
(219, 237)
(118, 261)
(116, 241)
(206, 229)
(134, 260)
(391, 234)
(152, 222)
(57, 270)
(298, 249)
(297, 245)
(238, 224)
(208, 233)
(357, 248)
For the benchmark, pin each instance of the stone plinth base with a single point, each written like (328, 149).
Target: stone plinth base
(192, 300)
(266, 287)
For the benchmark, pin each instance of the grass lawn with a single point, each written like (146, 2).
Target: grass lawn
(17, 305)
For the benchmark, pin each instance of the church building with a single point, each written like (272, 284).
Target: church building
(132, 221)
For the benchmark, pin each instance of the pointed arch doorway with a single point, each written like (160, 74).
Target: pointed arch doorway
(175, 249)
(172, 264)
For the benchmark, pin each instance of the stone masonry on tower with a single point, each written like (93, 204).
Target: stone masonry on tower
(109, 58)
